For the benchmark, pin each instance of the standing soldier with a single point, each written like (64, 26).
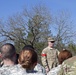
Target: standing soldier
(49, 55)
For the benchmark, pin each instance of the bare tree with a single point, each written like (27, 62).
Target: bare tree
(63, 29)
(28, 27)
(39, 22)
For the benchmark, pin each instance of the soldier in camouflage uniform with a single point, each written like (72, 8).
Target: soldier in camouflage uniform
(8, 55)
(69, 66)
(39, 68)
(49, 56)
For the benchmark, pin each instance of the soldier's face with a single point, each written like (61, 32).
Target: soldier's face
(51, 43)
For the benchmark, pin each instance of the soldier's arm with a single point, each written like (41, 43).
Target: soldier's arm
(44, 60)
(57, 53)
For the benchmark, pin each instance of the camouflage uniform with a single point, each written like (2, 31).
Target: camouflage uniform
(69, 66)
(17, 70)
(55, 70)
(49, 57)
(12, 70)
(40, 68)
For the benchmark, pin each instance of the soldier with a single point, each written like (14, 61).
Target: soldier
(69, 66)
(49, 55)
(26, 62)
(8, 55)
(38, 67)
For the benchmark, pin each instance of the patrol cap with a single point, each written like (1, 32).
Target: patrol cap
(50, 39)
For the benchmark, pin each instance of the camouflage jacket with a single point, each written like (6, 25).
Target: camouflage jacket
(39, 68)
(12, 70)
(55, 70)
(49, 57)
(16, 70)
(69, 66)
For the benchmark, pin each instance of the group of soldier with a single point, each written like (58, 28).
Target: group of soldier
(53, 61)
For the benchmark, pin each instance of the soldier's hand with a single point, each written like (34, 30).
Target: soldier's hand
(47, 69)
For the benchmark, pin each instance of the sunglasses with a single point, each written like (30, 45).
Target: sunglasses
(52, 41)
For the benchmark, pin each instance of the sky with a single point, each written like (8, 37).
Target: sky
(10, 7)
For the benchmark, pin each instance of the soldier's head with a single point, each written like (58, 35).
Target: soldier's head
(28, 47)
(63, 55)
(51, 42)
(8, 51)
(28, 58)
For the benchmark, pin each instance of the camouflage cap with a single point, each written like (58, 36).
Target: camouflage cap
(50, 39)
